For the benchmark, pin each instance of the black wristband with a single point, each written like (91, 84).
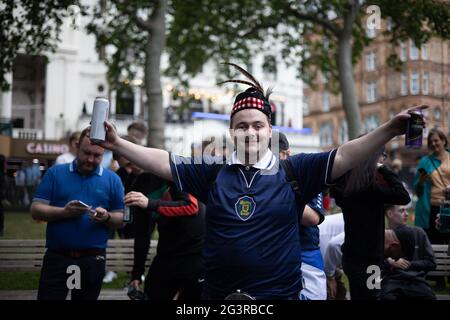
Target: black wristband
(107, 219)
(152, 205)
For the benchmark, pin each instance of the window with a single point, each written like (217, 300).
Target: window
(404, 81)
(402, 51)
(125, 100)
(343, 132)
(413, 51)
(426, 83)
(370, 61)
(424, 52)
(437, 113)
(325, 102)
(414, 86)
(326, 134)
(371, 93)
(371, 123)
(305, 105)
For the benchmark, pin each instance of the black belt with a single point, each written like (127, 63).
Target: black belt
(80, 253)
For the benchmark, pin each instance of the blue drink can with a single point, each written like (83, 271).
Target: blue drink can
(414, 130)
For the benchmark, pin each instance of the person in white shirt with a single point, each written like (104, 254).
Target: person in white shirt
(330, 227)
(331, 239)
(68, 157)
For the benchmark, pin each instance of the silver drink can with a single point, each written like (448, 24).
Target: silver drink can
(99, 116)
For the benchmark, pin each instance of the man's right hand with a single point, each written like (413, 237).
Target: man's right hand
(74, 209)
(400, 263)
(111, 139)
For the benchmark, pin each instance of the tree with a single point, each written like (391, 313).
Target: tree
(135, 33)
(325, 36)
(30, 27)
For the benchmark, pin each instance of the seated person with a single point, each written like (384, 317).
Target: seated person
(403, 276)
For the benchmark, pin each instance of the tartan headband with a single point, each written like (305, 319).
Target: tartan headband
(251, 99)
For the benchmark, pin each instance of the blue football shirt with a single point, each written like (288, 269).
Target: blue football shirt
(252, 231)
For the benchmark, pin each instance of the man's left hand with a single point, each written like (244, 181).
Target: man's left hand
(99, 215)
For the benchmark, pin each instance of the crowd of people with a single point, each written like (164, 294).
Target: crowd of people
(249, 225)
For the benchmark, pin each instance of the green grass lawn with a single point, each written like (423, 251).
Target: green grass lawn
(30, 281)
(20, 225)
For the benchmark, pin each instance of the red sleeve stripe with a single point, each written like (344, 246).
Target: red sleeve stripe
(188, 206)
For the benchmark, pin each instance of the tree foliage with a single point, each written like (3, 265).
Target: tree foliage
(30, 27)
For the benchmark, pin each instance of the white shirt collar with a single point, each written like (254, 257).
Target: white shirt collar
(266, 163)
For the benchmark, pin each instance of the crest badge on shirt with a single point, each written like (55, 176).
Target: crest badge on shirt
(245, 207)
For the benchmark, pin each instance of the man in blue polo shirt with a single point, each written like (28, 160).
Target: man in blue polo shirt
(252, 232)
(77, 235)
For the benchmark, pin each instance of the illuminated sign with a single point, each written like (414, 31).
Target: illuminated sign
(46, 148)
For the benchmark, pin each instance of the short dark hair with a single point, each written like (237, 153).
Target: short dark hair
(84, 133)
(388, 207)
(139, 126)
(440, 134)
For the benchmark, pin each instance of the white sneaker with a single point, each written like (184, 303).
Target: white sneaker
(109, 277)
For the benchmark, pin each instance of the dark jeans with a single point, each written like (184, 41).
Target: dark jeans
(163, 281)
(357, 279)
(54, 276)
(405, 290)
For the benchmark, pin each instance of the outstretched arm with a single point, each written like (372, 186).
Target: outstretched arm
(152, 160)
(356, 151)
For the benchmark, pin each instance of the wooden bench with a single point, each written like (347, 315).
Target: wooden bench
(26, 255)
(442, 260)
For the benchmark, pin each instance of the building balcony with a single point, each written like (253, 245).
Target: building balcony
(27, 134)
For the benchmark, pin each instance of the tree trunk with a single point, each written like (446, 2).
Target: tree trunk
(155, 44)
(346, 81)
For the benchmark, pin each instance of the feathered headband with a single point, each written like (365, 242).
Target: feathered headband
(253, 97)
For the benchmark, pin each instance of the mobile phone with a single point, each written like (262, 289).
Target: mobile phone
(83, 204)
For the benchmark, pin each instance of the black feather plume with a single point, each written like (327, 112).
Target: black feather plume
(240, 81)
(247, 74)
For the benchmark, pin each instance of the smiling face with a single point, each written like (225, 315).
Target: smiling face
(436, 144)
(251, 133)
